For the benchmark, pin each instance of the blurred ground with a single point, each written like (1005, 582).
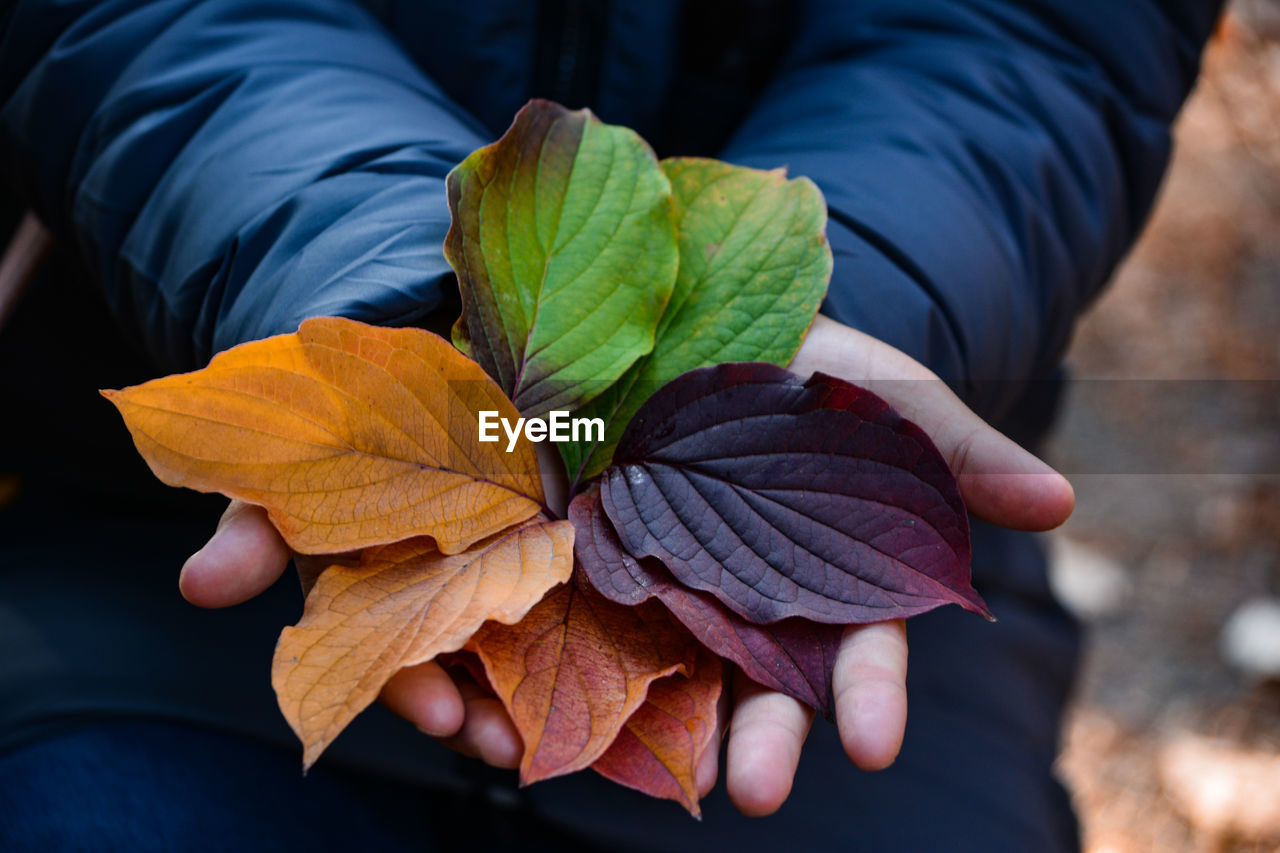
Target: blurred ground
(1172, 439)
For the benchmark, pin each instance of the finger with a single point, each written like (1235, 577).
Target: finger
(870, 688)
(1000, 481)
(426, 696)
(1004, 484)
(766, 734)
(487, 732)
(242, 559)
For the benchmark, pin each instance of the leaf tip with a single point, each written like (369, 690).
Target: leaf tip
(310, 755)
(971, 601)
(526, 775)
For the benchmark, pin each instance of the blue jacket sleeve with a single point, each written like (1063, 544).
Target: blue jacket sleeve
(986, 163)
(230, 168)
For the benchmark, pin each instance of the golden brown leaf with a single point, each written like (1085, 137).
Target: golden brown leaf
(350, 435)
(574, 669)
(661, 746)
(402, 605)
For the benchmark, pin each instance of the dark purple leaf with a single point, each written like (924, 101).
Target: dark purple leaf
(794, 656)
(614, 573)
(785, 498)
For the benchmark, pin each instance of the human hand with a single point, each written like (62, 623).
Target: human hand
(1001, 483)
(246, 555)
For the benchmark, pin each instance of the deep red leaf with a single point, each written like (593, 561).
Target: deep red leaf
(575, 669)
(785, 497)
(663, 743)
(794, 656)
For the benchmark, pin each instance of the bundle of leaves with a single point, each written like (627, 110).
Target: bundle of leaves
(732, 512)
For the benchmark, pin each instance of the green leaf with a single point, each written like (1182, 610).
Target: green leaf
(754, 266)
(563, 239)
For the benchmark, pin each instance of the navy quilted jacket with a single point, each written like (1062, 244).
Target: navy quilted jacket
(228, 168)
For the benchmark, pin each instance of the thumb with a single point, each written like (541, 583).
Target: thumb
(1000, 481)
(242, 559)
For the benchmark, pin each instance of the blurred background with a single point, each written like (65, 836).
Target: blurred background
(1171, 436)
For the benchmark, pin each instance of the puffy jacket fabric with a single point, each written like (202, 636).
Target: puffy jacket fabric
(228, 168)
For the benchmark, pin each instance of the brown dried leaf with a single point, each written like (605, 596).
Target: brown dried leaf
(402, 605)
(575, 669)
(660, 748)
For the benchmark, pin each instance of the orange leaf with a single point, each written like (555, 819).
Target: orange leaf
(661, 746)
(350, 435)
(402, 605)
(574, 669)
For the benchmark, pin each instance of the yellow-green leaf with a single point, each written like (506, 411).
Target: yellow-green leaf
(565, 250)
